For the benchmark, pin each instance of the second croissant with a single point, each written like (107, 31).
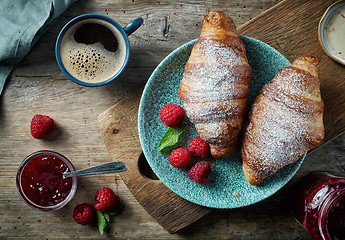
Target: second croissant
(286, 120)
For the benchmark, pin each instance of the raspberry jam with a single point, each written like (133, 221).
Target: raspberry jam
(40, 181)
(318, 204)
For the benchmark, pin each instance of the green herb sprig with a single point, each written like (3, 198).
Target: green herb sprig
(104, 217)
(171, 137)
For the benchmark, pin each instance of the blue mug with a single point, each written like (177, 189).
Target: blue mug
(66, 59)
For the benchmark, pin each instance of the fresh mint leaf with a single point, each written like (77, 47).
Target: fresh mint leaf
(170, 137)
(106, 216)
(101, 222)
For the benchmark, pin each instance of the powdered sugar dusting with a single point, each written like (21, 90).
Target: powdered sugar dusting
(217, 68)
(298, 84)
(213, 89)
(275, 128)
(283, 124)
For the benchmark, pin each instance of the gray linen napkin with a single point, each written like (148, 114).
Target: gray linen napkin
(22, 22)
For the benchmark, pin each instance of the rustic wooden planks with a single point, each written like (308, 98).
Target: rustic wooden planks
(291, 28)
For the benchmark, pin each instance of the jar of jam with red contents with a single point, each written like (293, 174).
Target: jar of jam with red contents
(318, 204)
(40, 180)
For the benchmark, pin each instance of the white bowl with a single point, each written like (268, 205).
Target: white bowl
(328, 43)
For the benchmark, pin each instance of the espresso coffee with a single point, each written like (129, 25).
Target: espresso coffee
(93, 50)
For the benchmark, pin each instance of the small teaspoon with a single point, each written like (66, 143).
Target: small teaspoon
(112, 167)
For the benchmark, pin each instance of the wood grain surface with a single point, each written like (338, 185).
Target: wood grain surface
(37, 86)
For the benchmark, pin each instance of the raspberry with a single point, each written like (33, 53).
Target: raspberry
(84, 214)
(41, 125)
(172, 115)
(199, 172)
(105, 200)
(180, 157)
(199, 147)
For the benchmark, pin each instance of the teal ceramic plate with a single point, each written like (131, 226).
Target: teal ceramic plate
(219, 192)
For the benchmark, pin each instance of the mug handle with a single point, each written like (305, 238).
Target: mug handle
(132, 26)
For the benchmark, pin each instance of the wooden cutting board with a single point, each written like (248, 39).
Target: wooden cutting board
(290, 27)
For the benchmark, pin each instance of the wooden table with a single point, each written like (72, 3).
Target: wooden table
(37, 86)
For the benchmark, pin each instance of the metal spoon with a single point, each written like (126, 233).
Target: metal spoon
(112, 167)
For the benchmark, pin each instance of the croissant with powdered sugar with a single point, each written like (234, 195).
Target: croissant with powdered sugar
(214, 88)
(286, 120)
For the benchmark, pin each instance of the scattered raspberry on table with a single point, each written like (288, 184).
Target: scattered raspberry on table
(84, 214)
(105, 200)
(180, 157)
(199, 172)
(172, 115)
(41, 126)
(199, 147)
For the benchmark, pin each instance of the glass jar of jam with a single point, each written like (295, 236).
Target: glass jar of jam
(318, 204)
(40, 180)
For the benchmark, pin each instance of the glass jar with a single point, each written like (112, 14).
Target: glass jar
(40, 182)
(318, 204)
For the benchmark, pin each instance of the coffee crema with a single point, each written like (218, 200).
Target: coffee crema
(93, 50)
